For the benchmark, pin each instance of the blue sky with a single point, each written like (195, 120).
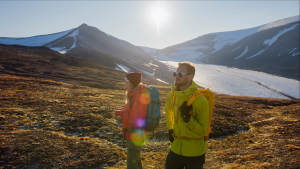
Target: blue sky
(179, 21)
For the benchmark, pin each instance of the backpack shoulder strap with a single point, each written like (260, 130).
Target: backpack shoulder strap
(209, 95)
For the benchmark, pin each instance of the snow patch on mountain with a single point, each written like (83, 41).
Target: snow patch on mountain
(74, 36)
(256, 54)
(152, 65)
(236, 48)
(61, 50)
(227, 38)
(34, 40)
(122, 68)
(293, 52)
(271, 41)
(242, 54)
(162, 81)
(203, 46)
(64, 50)
(187, 53)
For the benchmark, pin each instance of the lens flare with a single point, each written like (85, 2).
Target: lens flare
(138, 137)
(158, 14)
(140, 122)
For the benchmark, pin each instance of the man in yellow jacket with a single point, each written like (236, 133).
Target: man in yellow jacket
(187, 125)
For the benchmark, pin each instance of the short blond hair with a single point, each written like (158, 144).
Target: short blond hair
(189, 65)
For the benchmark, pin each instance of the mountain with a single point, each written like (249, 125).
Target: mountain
(36, 41)
(96, 46)
(150, 51)
(274, 50)
(271, 48)
(41, 62)
(205, 45)
(90, 38)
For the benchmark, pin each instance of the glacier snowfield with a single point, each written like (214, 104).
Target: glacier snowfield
(238, 82)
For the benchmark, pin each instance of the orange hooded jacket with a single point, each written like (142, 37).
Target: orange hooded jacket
(134, 113)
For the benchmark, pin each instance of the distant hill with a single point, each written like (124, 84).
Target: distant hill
(45, 63)
(91, 44)
(271, 48)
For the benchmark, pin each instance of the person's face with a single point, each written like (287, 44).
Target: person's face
(182, 76)
(128, 86)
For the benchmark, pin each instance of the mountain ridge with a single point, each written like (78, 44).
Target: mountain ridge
(203, 49)
(267, 51)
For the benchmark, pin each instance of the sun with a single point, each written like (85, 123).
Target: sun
(158, 15)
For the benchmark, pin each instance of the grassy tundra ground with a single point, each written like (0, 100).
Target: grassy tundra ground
(54, 124)
(57, 112)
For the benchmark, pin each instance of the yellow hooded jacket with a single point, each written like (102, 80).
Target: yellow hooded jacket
(189, 137)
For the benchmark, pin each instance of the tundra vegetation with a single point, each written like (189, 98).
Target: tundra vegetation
(58, 112)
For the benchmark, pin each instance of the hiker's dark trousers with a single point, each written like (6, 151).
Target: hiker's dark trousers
(133, 156)
(175, 161)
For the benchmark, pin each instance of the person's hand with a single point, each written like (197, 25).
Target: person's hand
(185, 112)
(171, 136)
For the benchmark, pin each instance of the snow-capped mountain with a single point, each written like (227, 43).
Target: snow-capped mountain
(40, 40)
(203, 46)
(280, 22)
(208, 44)
(274, 50)
(263, 48)
(90, 46)
(91, 43)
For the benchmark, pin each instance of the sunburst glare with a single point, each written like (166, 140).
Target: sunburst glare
(158, 15)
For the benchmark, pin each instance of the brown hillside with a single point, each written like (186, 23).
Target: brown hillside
(64, 119)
